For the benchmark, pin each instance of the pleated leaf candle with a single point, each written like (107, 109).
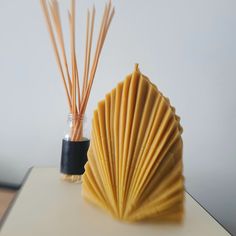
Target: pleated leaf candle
(134, 168)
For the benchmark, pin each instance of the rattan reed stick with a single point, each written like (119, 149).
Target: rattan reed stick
(77, 95)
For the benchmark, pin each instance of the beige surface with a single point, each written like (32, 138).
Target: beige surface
(49, 206)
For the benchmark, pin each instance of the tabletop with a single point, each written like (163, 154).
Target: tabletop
(47, 205)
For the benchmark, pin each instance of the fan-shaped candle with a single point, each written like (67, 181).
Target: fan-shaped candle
(134, 168)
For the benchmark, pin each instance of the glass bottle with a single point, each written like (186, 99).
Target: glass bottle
(74, 149)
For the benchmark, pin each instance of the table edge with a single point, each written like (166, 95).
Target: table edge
(210, 214)
(12, 203)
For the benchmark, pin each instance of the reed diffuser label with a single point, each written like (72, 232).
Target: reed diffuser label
(77, 88)
(134, 168)
(74, 156)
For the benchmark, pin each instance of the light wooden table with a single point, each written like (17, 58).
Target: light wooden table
(48, 206)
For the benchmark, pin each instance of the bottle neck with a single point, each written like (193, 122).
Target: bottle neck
(73, 119)
(75, 125)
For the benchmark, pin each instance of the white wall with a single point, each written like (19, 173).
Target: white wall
(186, 47)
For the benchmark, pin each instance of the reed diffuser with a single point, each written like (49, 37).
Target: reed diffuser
(78, 90)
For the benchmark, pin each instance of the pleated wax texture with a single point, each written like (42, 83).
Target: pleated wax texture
(134, 168)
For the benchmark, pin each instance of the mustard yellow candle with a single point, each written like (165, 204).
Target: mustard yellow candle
(134, 169)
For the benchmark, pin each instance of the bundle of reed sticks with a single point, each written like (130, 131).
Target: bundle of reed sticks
(77, 90)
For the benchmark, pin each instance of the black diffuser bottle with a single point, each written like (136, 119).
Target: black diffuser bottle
(74, 150)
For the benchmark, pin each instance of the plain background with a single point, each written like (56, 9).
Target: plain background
(187, 48)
